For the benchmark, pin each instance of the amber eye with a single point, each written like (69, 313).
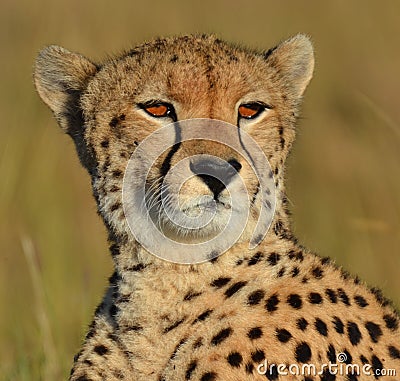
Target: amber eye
(158, 109)
(251, 110)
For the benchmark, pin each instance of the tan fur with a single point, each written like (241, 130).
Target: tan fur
(163, 321)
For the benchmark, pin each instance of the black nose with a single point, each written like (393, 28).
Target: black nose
(216, 174)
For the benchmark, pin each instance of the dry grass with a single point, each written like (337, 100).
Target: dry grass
(344, 173)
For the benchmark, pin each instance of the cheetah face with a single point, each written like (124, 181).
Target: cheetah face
(110, 109)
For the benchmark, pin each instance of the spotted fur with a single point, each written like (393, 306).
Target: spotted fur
(217, 320)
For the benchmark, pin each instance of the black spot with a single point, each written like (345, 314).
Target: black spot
(315, 298)
(174, 58)
(203, 316)
(331, 353)
(296, 255)
(114, 250)
(78, 355)
(343, 297)
(134, 328)
(234, 288)
(254, 333)
(235, 359)
(105, 143)
(220, 282)
(281, 272)
(331, 295)
(255, 297)
(273, 259)
(376, 364)
(198, 343)
(174, 325)
(321, 327)
(338, 325)
(303, 352)
(374, 331)
(190, 369)
(249, 368)
(294, 301)
(391, 322)
(379, 297)
(295, 271)
(209, 376)
(349, 358)
(213, 256)
(317, 272)
(101, 350)
(106, 165)
(353, 332)
(283, 335)
(302, 324)
(221, 336)
(304, 280)
(239, 261)
(117, 173)
(258, 356)
(91, 332)
(328, 376)
(394, 352)
(255, 259)
(325, 260)
(115, 206)
(136, 268)
(272, 302)
(113, 122)
(83, 378)
(360, 300)
(269, 52)
(272, 373)
(363, 359)
(191, 295)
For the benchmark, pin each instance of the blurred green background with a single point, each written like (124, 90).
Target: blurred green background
(344, 183)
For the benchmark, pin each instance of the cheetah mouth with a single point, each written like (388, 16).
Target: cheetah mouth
(211, 205)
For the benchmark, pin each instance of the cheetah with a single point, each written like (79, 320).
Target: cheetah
(272, 311)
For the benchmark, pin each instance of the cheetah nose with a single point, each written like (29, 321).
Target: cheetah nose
(216, 174)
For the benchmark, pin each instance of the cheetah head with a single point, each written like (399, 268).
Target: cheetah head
(109, 109)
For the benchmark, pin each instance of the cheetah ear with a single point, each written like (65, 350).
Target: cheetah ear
(294, 61)
(60, 76)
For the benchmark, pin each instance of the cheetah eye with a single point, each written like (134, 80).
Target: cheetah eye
(251, 110)
(158, 109)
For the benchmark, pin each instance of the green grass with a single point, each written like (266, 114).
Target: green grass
(344, 182)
